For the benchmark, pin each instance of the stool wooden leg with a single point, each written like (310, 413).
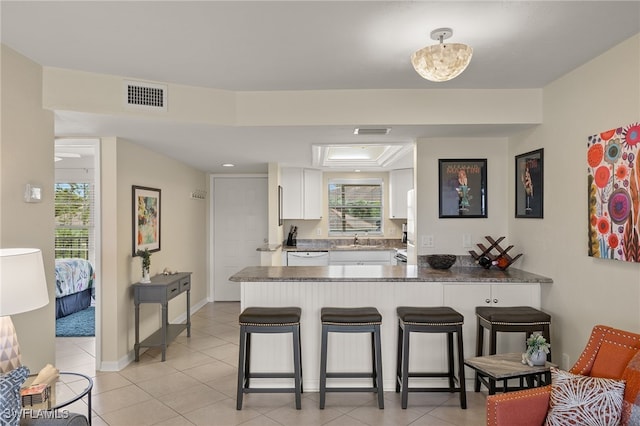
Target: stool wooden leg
(241, 367)
(405, 367)
(479, 350)
(493, 341)
(378, 366)
(297, 374)
(450, 361)
(399, 358)
(323, 366)
(374, 376)
(300, 346)
(247, 360)
(461, 378)
(547, 335)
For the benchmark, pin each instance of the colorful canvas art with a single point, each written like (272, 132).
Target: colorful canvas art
(613, 165)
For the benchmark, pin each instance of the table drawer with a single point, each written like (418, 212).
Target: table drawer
(185, 284)
(173, 290)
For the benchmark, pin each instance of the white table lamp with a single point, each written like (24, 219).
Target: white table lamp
(23, 288)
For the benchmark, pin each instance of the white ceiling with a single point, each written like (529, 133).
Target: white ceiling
(297, 45)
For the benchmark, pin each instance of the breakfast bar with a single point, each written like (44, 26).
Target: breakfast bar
(384, 287)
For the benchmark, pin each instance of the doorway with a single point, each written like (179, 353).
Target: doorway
(240, 226)
(77, 245)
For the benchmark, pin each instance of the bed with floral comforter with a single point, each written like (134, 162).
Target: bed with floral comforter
(74, 285)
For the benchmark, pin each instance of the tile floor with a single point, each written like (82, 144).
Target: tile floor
(197, 384)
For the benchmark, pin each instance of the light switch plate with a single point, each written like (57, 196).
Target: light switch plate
(427, 241)
(466, 240)
(32, 193)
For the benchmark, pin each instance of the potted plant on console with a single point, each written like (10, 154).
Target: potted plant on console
(146, 264)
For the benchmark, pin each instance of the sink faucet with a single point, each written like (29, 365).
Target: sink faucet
(355, 240)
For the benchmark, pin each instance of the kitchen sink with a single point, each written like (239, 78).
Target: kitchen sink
(357, 247)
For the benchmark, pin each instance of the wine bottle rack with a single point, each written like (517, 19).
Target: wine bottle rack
(502, 253)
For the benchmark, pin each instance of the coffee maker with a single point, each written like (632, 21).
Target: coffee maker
(404, 233)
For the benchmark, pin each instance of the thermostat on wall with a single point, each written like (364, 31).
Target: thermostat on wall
(32, 193)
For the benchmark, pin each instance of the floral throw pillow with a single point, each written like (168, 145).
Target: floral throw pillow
(10, 402)
(584, 401)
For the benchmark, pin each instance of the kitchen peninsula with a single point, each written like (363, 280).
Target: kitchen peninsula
(384, 287)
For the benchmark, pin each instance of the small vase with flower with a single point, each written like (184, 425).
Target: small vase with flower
(146, 264)
(537, 350)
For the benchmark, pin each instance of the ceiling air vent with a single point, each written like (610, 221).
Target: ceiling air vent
(147, 96)
(371, 131)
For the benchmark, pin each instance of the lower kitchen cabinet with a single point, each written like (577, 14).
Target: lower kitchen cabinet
(464, 297)
(360, 257)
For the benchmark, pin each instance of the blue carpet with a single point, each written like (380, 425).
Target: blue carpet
(82, 323)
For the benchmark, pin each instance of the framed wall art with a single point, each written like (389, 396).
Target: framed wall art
(462, 187)
(146, 218)
(529, 184)
(613, 183)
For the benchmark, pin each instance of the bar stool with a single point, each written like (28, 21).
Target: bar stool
(441, 319)
(268, 320)
(352, 320)
(510, 319)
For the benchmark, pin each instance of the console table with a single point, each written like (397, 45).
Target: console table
(161, 289)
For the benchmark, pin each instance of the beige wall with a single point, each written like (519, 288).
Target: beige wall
(448, 233)
(183, 241)
(26, 156)
(89, 92)
(600, 95)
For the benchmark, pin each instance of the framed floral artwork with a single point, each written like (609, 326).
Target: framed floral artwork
(613, 179)
(146, 218)
(529, 184)
(462, 188)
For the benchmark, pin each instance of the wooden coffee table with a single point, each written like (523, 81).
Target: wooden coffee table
(493, 368)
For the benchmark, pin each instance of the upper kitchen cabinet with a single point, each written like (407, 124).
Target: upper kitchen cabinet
(301, 193)
(400, 181)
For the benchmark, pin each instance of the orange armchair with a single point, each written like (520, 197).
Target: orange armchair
(607, 354)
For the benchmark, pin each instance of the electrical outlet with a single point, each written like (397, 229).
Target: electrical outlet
(427, 241)
(466, 240)
(318, 231)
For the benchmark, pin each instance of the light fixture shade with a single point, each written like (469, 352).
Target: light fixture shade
(442, 62)
(23, 285)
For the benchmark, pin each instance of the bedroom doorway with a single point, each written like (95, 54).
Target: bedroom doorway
(77, 250)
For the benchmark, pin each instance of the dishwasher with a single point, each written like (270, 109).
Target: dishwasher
(308, 258)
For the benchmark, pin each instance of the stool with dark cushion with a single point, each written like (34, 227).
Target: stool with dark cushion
(441, 319)
(509, 319)
(268, 320)
(352, 320)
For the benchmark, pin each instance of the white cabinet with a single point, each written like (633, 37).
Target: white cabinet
(301, 193)
(400, 181)
(464, 297)
(360, 257)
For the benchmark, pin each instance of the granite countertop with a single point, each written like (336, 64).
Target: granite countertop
(385, 273)
(346, 244)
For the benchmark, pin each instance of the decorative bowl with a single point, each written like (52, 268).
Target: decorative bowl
(441, 261)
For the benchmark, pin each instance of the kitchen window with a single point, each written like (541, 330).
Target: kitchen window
(355, 206)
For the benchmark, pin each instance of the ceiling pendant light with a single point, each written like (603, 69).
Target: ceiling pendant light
(443, 61)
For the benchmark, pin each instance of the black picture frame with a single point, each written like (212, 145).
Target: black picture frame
(529, 196)
(460, 198)
(280, 206)
(146, 211)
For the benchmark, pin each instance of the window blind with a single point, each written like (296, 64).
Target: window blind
(74, 220)
(355, 207)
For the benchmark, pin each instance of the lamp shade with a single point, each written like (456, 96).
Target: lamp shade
(442, 62)
(23, 285)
